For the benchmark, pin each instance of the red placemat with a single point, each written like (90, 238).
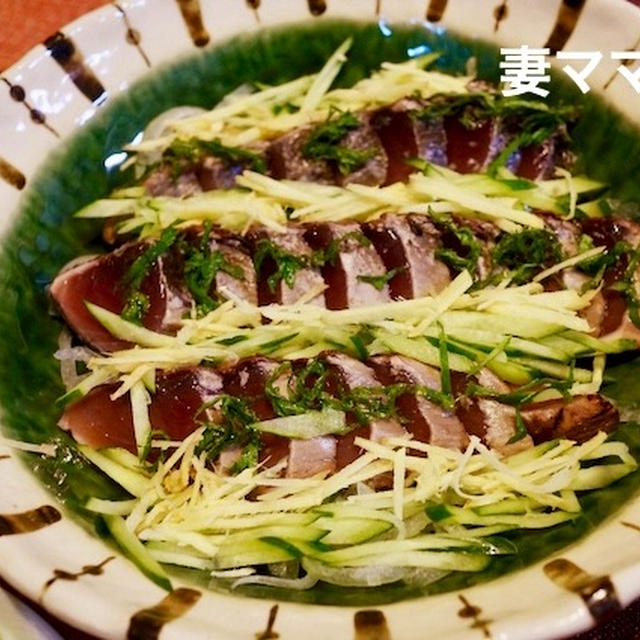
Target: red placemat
(26, 23)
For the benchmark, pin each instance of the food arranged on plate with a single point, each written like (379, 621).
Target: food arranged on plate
(352, 335)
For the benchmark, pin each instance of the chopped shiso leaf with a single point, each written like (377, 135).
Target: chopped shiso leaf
(325, 143)
(525, 251)
(193, 150)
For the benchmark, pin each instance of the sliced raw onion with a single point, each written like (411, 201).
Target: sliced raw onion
(245, 89)
(299, 584)
(68, 356)
(158, 127)
(353, 576)
(77, 354)
(228, 574)
(421, 576)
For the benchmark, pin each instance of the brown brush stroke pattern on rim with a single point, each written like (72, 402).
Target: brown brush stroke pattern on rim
(597, 592)
(500, 13)
(566, 21)
(147, 623)
(269, 633)
(370, 624)
(630, 525)
(4, 457)
(28, 521)
(192, 16)
(132, 35)
(16, 179)
(26, 23)
(317, 7)
(87, 570)
(471, 611)
(624, 63)
(18, 94)
(254, 5)
(436, 10)
(64, 52)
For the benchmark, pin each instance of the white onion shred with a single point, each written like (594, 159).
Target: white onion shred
(242, 572)
(299, 584)
(46, 449)
(77, 354)
(68, 357)
(370, 576)
(160, 125)
(421, 576)
(243, 90)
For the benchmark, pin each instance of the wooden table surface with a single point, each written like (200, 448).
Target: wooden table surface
(25, 23)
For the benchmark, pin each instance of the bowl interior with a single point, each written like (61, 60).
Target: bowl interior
(45, 236)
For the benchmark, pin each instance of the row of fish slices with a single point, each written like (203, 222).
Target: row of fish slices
(176, 409)
(491, 421)
(390, 136)
(403, 246)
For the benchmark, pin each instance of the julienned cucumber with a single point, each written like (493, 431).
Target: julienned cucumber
(534, 520)
(414, 552)
(544, 195)
(334, 541)
(133, 481)
(306, 425)
(128, 331)
(135, 551)
(342, 531)
(252, 552)
(465, 360)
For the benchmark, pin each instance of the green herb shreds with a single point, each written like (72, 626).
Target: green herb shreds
(325, 140)
(527, 252)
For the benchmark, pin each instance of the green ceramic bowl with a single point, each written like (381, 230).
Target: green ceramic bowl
(74, 104)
